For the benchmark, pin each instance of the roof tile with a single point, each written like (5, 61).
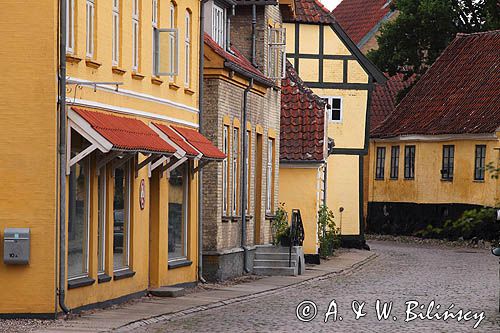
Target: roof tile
(200, 142)
(310, 11)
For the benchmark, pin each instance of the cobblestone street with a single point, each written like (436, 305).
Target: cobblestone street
(467, 278)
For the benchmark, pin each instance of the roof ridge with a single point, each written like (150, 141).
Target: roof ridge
(465, 34)
(324, 8)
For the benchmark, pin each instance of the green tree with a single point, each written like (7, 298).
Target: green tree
(412, 42)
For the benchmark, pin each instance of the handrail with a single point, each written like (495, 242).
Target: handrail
(296, 233)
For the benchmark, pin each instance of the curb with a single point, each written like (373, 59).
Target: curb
(176, 315)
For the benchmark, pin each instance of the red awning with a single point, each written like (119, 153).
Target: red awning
(127, 134)
(200, 143)
(176, 139)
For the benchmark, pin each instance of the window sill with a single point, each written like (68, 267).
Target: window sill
(447, 180)
(179, 263)
(189, 91)
(118, 70)
(102, 278)
(379, 179)
(137, 76)
(226, 218)
(123, 274)
(173, 86)
(481, 181)
(81, 282)
(157, 81)
(409, 179)
(73, 59)
(393, 178)
(92, 63)
(270, 217)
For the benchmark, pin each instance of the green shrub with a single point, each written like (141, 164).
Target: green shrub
(280, 227)
(328, 234)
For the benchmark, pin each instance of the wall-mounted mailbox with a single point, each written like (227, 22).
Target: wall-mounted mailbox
(16, 246)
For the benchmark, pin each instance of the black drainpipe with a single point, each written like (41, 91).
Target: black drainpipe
(254, 37)
(62, 156)
(244, 178)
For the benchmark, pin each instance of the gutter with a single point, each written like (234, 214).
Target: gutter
(62, 156)
(200, 128)
(244, 184)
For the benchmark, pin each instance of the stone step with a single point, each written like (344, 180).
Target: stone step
(274, 249)
(168, 292)
(274, 256)
(273, 263)
(274, 271)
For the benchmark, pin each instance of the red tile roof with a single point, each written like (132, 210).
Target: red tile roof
(177, 139)
(459, 94)
(125, 133)
(200, 142)
(310, 11)
(238, 60)
(359, 17)
(303, 128)
(384, 98)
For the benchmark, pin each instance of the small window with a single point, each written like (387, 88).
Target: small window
(219, 25)
(394, 162)
(269, 175)
(187, 51)
(101, 214)
(225, 145)
(90, 28)
(135, 34)
(409, 162)
(479, 162)
(333, 107)
(448, 160)
(70, 26)
(177, 213)
(235, 169)
(277, 53)
(121, 218)
(116, 33)
(379, 173)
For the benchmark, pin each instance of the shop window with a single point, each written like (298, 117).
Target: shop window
(90, 28)
(121, 217)
(225, 150)
(78, 212)
(479, 162)
(379, 171)
(177, 213)
(394, 162)
(269, 175)
(409, 162)
(101, 212)
(235, 171)
(135, 34)
(448, 160)
(70, 26)
(115, 45)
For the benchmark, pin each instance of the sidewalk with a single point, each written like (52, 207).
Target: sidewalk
(150, 310)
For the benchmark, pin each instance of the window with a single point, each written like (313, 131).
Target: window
(247, 163)
(79, 211)
(448, 159)
(219, 25)
(225, 145)
(333, 108)
(269, 175)
(135, 35)
(409, 162)
(479, 162)
(235, 168)
(277, 53)
(101, 228)
(379, 172)
(90, 28)
(394, 162)
(121, 217)
(187, 51)
(172, 41)
(116, 33)
(70, 26)
(177, 213)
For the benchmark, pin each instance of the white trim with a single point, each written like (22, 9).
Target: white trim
(180, 153)
(83, 128)
(129, 111)
(329, 112)
(200, 154)
(156, 164)
(134, 94)
(440, 137)
(70, 26)
(176, 164)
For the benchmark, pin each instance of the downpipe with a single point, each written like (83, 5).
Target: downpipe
(254, 37)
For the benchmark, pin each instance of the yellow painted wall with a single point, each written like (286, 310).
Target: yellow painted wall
(298, 190)
(427, 187)
(28, 89)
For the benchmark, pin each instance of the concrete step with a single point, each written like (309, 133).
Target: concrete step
(273, 263)
(274, 271)
(274, 249)
(273, 256)
(168, 292)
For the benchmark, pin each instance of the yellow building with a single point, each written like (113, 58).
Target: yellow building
(430, 154)
(111, 202)
(334, 68)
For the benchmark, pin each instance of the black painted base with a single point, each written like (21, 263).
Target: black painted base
(312, 259)
(41, 316)
(403, 218)
(354, 242)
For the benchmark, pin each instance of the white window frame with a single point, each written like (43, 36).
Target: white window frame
(329, 100)
(135, 34)
(185, 212)
(277, 45)
(234, 175)
(225, 145)
(219, 17)
(154, 26)
(187, 50)
(90, 26)
(269, 174)
(115, 45)
(102, 222)
(70, 26)
(173, 39)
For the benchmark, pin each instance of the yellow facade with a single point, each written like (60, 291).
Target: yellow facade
(29, 144)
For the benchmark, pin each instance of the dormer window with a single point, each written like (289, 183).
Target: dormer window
(216, 22)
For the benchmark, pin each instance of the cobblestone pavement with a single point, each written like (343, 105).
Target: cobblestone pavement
(467, 278)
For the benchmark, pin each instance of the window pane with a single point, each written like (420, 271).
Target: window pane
(336, 103)
(121, 216)
(177, 217)
(101, 230)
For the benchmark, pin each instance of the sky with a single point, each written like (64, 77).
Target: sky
(330, 4)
